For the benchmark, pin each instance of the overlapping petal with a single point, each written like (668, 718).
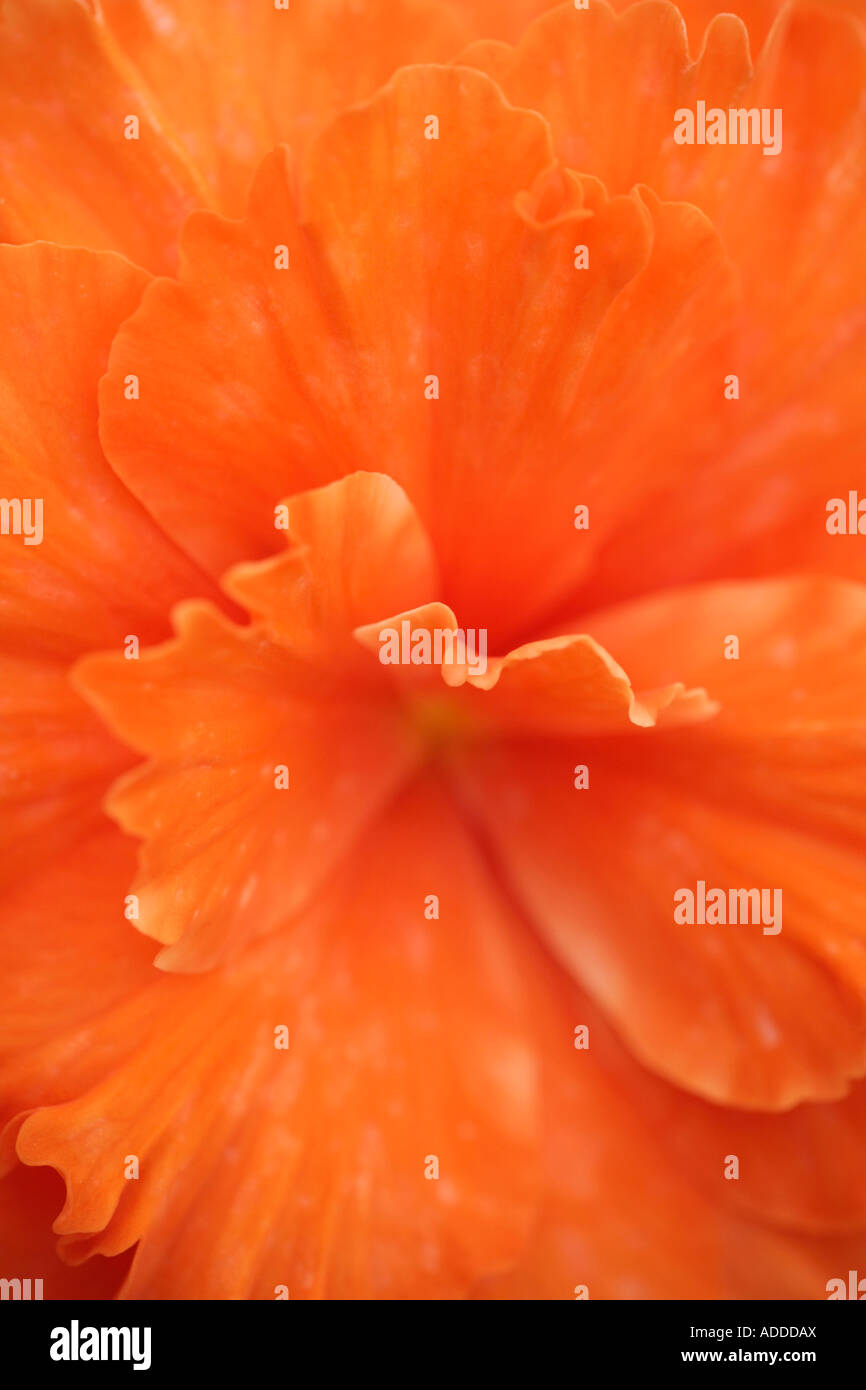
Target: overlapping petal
(792, 222)
(69, 958)
(29, 1200)
(767, 794)
(348, 359)
(357, 550)
(211, 88)
(83, 564)
(261, 774)
(494, 296)
(98, 567)
(636, 1202)
(405, 1044)
(71, 172)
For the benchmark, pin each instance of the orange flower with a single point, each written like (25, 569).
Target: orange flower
(489, 353)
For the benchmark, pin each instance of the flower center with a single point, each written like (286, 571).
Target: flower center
(443, 719)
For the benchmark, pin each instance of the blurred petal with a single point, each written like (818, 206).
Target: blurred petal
(406, 1043)
(502, 19)
(628, 1215)
(757, 15)
(69, 172)
(29, 1200)
(56, 764)
(235, 79)
(89, 567)
(102, 568)
(65, 971)
(801, 1170)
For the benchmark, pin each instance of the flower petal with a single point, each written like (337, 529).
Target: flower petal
(386, 343)
(98, 568)
(571, 685)
(768, 794)
(627, 1214)
(609, 85)
(235, 80)
(406, 1044)
(358, 549)
(801, 1170)
(56, 764)
(29, 1199)
(212, 88)
(492, 19)
(69, 172)
(83, 564)
(794, 225)
(68, 958)
(262, 773)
